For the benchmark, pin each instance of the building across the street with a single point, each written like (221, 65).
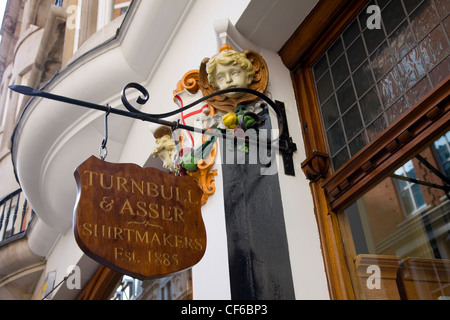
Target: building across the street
(352, 202)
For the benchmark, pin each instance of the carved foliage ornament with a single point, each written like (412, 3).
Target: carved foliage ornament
(204, 176)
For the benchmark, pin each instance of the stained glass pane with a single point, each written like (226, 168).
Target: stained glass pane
(370, 106)
(402, 41)
(423, 20)
(353, 123)
(351, 33)
(411, 69)
(393, 15)
(410, 5)
(373, 38)
(341, 158)
(447, 25)
(374, 129)
(358, 143)
(325, 87)
(382, 61)
(330, 112)
(320, 67)
(418, 91)
(340, 71)
(390, 87)
(443, 7)
(335, 51)
(434, 48)
(440, 72)
(364, 16)
(356, 54)
(336, 138)
(363, 79)
(377, 75)
(382, 3)
(346, 96)
(397, 110)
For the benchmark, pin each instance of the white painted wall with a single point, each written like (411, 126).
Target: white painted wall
(195, 40)
(303, 238)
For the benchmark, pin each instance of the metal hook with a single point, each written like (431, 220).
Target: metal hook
(103, 148)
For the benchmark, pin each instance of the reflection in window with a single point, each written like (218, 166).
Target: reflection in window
(128, 289)
(175, 287)
(407, 223)
(121, 7)
(411, 196)
(369, 78)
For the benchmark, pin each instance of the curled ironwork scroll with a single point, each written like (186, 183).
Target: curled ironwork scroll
(142, 100)
(285, 146)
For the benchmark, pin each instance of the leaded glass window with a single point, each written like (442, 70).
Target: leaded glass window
(369, 78)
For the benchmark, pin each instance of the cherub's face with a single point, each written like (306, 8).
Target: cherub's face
(232, 76)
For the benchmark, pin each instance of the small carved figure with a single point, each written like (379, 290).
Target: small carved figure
(234, 112)
(165, 147)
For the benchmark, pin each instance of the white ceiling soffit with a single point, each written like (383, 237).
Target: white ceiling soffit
(52, 139)
(270, 23)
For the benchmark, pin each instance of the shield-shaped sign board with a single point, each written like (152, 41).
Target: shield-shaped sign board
(141, 222)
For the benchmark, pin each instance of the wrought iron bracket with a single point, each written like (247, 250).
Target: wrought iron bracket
(286, 142)
(436, 172)
(283, 142)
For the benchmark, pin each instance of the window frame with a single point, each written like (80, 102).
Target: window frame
(333, 191)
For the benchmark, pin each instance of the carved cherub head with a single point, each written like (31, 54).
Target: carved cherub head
(165, 147)
(230, 69)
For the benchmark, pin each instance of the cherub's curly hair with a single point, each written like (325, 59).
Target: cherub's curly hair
(227, 57)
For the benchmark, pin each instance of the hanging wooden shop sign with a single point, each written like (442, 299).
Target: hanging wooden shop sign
(138, 221)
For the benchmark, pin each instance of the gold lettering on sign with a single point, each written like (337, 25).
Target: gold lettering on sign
(143, 209)
(134, 235)
(150, 189)
(121, 254)
(106, 204)
(141, 222)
